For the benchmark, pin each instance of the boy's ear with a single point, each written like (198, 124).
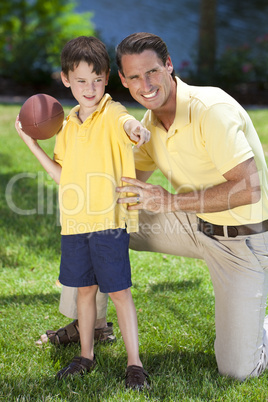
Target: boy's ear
(123, 80)
(107, 77)
(65, 80)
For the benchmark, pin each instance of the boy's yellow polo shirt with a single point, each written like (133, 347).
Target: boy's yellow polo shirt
(210, 135)
(94, 155)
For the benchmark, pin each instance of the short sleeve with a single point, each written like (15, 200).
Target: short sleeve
(143, 160)
(60, 146)
(223, 129)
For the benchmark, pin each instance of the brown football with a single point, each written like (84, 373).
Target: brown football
(41, 116)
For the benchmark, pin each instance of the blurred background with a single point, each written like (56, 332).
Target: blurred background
(211, 42)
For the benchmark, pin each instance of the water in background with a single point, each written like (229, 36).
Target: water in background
(176, 21)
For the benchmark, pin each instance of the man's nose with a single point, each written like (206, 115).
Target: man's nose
(146, 84)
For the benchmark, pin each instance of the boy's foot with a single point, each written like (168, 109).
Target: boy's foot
(78, 366)
(70, 334)
(136, 378)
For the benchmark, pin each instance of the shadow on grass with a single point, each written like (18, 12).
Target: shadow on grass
(172, 286)
(173, 376)
(28, 215)
(33, 299)
(5, 160)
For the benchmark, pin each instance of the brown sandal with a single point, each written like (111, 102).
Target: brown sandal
(70, 334)
(136, 378)
(78, 366)
(105, 335)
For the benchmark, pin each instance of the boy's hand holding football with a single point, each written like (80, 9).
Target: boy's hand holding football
(25, 137)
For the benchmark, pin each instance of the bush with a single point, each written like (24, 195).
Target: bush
(32, 34)
(247, 64)
(236, 67)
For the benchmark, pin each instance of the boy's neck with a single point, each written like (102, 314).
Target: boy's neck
(84, 113)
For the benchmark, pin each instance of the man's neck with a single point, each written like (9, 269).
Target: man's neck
(166, 114)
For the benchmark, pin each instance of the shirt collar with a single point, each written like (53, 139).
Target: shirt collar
(182, 117)
(73, 115)
(183, 98)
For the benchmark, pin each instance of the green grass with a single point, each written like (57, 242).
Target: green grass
(173, 296)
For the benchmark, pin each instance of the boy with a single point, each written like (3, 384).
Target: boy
(91, 154)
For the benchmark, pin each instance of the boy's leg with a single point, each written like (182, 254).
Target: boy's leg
(86, 309)
(70, 333)
(136, 377)
(68, 305)
(127, 321)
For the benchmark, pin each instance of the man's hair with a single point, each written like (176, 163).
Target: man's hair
(88, 49)
(138, 42)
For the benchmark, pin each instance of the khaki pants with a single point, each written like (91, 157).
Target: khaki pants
(239, 272)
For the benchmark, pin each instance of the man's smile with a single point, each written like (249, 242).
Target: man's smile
(151, 95)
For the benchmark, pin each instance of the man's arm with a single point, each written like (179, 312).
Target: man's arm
(242, 187)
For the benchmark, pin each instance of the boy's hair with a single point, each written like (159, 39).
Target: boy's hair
(88, 49)
(138, 42)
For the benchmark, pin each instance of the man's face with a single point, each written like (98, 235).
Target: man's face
(148, 80)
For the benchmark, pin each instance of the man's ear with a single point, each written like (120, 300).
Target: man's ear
(169, 65)
(65, 80)
(123, 80)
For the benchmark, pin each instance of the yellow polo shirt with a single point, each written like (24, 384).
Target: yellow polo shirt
(210, 135)
(94, 155)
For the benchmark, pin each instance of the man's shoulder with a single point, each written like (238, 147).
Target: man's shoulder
(210, 96)
(202, 95)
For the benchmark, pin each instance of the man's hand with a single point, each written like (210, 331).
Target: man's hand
(148, 196)
(242, 187)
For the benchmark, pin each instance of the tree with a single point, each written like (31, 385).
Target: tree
(207, 39)
(32, 33)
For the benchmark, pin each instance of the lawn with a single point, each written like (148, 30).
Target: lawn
(173, 297)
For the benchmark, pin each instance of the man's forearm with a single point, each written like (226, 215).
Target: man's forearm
(218, 198)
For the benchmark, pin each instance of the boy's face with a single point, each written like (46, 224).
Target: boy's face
(87, 87)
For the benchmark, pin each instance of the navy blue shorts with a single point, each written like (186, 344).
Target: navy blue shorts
(98, 258)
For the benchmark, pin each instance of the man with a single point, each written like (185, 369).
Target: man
(205, 144)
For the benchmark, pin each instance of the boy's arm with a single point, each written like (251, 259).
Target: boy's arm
(137, 132)
(52, 167)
